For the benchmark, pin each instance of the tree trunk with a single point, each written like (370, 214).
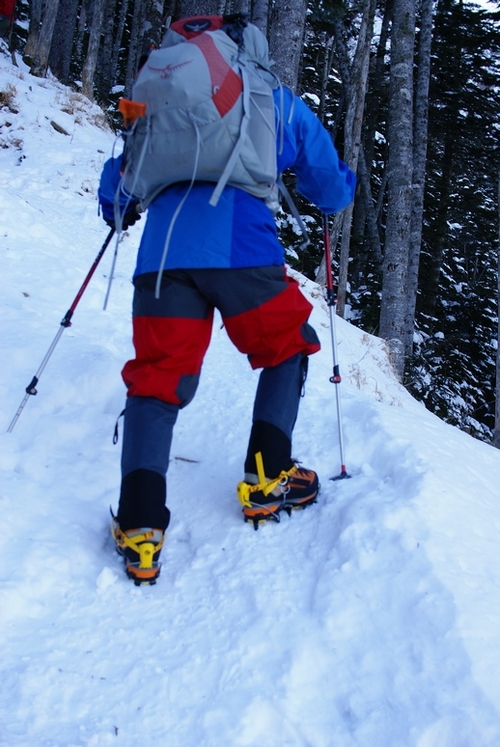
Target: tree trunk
(367, 209)
(62, 40)
(356, 79)
(105, 78)
(243, 6)
(260, 14)
(345, 74)
(153, 27)
(80, 33)
(286, 35)
(377, 83)
(34, 32)
(92, 50)
(118, 41)
(400, 167)
(328, 54)
(419, 166)
(370, 215)
(201, 7)
(135, 44)
(41, 56)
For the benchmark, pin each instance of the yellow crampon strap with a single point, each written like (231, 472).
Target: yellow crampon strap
(146, 555)
(244, 490)
(146, 550)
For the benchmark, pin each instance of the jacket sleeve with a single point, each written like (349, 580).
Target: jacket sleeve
(322, 178)
(108, 185)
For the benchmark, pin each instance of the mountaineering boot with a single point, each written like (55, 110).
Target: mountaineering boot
(140, 548)
(264, 499)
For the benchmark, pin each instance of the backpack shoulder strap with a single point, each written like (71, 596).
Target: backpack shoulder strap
(228, 169)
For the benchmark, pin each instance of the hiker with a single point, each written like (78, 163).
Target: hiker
(227, 257)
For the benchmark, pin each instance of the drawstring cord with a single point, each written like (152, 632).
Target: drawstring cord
(179, 207)
(129, 194)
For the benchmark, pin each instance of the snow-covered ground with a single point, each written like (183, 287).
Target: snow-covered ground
(369, 620)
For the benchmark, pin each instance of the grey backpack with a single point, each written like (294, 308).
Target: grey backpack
(208, 111)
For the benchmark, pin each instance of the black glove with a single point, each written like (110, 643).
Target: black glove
(129, 219)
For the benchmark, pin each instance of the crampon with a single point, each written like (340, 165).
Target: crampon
(140, 549)
(264, 501)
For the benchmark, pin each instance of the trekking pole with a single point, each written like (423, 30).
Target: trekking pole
(66, 322)
(336, 378)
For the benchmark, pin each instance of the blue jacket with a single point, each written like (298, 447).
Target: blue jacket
(240, 230)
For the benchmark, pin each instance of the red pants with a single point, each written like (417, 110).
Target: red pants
(264, 312)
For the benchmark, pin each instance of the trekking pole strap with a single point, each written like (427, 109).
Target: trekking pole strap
(330, 293)
(294, 210)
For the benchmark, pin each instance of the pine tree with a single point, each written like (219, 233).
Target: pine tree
(454, 366)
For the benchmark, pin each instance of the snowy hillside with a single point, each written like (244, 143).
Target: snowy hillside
(369, 620)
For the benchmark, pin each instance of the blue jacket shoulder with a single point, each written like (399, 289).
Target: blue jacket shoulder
(305, 147)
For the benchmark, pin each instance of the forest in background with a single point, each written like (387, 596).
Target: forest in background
(410, 92)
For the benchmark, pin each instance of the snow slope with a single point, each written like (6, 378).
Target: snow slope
(368, 620)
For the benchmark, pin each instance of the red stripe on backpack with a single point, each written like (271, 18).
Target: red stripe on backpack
(226, 84)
